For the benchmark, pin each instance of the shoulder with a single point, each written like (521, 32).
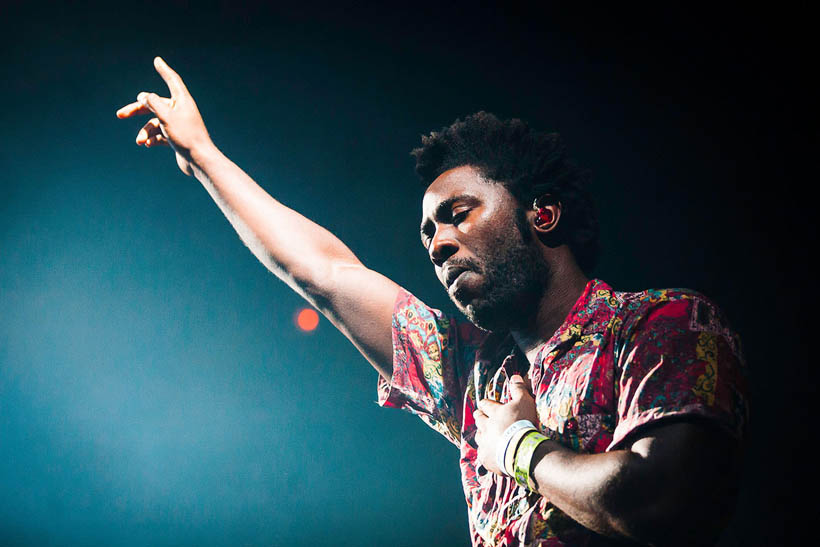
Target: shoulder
(670, 312)
(412, 316)
(641, 300)
(410, 310)
(669, 304)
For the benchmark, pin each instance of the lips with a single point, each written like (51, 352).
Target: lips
(452, 273)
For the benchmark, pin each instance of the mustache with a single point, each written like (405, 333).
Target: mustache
(466, 263)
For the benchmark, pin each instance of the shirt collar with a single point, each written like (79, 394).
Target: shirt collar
(591, 313)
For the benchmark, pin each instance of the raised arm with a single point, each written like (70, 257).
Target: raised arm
(310, 259)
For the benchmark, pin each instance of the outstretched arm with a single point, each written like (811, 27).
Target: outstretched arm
(311, 260)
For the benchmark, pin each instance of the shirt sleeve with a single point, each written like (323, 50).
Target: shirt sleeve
(432, 358)
(679, 359)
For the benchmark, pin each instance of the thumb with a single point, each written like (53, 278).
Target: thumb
(155, 104)
(518, 387)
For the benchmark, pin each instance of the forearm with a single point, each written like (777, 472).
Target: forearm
(596, 490)
(306, 256)
(674, 487)
(297, 250)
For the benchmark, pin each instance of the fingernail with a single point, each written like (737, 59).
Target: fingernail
(142, 97)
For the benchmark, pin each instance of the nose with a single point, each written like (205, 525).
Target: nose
(443, 246)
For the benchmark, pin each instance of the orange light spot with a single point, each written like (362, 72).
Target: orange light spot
(307, 319)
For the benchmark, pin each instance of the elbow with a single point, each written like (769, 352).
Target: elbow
(322, 283)
(661, 526)
(659, 514)
(678, 487)
(311, 281)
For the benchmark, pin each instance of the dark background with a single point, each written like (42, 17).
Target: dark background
(153, 386)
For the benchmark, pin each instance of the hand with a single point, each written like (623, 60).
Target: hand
(492, 419)
(177, 120)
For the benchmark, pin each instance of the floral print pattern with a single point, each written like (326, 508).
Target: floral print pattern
(619, 362)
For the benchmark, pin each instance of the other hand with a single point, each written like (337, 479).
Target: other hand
(177, 120)
(492, 419)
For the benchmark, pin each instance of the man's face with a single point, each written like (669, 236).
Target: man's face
(484, 254)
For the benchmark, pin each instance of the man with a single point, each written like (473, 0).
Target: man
(584, 415)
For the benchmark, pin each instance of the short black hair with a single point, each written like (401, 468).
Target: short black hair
(528, 163)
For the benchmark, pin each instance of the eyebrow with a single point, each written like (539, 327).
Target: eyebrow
(442, 208)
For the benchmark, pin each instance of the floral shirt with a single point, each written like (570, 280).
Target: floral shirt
(619, 362)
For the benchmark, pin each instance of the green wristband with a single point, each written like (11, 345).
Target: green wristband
(509, 457)
(523, 458)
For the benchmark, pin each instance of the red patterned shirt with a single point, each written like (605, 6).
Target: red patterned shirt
(619, 362)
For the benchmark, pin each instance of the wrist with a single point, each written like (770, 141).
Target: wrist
(543, 450)
(203, 153)
(506, 448)
(523, 463)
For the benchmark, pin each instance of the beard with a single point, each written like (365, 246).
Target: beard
(515, 277)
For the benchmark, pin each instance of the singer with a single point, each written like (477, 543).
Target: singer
(583, 415)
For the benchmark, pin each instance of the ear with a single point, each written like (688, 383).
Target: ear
(545, 214)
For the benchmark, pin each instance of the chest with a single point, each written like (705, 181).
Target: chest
(574, 385)
(574, 390)
(575, 394)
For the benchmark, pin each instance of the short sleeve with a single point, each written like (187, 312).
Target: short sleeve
(679, 359)
(432, 357)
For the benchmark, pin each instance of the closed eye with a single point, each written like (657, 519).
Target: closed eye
(452, 210)
(426, 235)
(459, 217)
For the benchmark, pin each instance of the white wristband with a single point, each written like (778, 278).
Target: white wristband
(504, 444)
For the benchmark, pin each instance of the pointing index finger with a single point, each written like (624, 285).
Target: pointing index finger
(132, 109)
(175, 83)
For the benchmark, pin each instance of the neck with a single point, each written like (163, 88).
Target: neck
(566, 286)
